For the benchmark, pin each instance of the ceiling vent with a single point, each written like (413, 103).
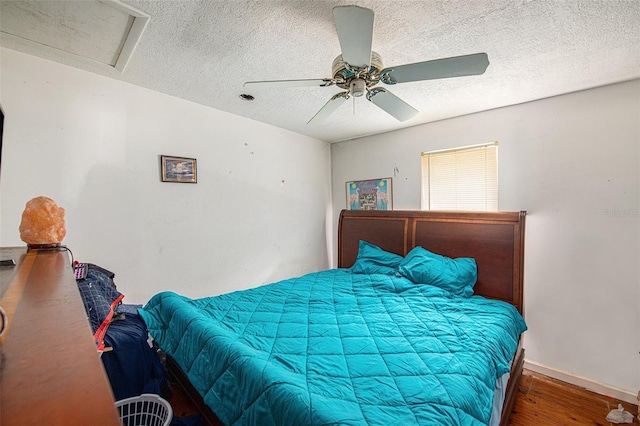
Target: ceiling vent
(105, 31)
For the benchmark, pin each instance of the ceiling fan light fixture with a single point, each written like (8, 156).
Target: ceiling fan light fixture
(358, 87)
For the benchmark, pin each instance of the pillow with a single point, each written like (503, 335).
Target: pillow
(373, 260)
(457, 276)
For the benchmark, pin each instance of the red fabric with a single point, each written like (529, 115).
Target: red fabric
(98, 337)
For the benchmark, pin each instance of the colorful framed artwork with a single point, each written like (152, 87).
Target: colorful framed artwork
(178, 169)
(374, 194)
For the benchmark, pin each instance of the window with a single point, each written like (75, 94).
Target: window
(461, 179)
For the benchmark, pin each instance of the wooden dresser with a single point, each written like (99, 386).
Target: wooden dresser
(50, 372)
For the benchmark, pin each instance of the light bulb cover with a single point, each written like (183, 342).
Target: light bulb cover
(357, 87)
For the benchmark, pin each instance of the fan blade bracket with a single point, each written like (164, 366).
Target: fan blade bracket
(372, 92)
(344, 95)
(329, 108)
(385, 76)
(391, 104)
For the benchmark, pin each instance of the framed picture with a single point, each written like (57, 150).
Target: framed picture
(178, 169)
(375, 194)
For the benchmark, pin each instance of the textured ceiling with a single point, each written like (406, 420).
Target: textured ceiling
(204, 51)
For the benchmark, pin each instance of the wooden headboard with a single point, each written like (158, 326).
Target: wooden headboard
(494, 240)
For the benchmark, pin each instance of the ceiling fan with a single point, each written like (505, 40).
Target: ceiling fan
(359, 69)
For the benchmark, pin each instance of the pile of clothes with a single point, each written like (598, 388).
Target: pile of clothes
(130, 358)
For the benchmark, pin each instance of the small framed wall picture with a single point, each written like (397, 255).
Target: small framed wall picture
(178, 169)
(374, 194)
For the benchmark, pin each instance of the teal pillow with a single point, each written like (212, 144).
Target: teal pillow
(373, 260)
(457, 276)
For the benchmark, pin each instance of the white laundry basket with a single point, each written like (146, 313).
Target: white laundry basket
(144, 410)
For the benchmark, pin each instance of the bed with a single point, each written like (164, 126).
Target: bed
(362, 344)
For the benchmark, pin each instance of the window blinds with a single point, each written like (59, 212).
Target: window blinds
(461, 179)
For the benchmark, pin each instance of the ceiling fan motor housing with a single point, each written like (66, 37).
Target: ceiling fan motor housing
(346, 75)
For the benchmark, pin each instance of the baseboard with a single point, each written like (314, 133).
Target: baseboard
(597, 387)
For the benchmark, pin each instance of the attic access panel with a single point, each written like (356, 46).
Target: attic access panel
(104, 31)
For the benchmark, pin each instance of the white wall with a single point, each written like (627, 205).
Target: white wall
(257, 214)
(573, 163)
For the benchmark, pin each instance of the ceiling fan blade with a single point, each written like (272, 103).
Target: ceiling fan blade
(355, 32)
(457, 66)
(279, 84)
(328, 108)
(392, 104)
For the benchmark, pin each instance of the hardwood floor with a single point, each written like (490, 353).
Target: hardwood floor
(541, 401)
(545, 401)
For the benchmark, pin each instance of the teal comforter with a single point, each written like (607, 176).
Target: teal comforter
(340, 348)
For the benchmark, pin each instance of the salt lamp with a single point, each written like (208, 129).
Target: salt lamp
(42, 222)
